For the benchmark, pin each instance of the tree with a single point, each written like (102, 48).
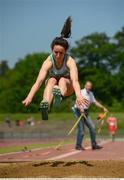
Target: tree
(100, 60)
(95, 50)
(3, 67)
(119, 38)
(17, 82)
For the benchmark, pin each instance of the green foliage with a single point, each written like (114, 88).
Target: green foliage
(17, 82)
(100, 59)
(3, 67)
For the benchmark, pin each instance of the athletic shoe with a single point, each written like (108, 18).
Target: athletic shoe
(95, 147)
(57, 97)
(44, 106)
(80, 148)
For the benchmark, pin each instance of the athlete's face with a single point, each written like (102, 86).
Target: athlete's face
(58, 52)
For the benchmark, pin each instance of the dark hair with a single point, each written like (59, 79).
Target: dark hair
(65, 33)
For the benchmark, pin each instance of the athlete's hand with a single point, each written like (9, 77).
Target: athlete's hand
(80, 101)
(26, 101)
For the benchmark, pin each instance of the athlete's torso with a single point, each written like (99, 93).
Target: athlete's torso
(62, 71)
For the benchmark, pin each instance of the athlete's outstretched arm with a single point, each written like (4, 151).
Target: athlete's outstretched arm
(74, 78)
(42, 74)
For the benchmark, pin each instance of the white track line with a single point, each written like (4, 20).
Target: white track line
(74, 152)
(4, 154)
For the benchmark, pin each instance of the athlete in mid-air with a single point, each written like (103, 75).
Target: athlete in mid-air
(63, 75)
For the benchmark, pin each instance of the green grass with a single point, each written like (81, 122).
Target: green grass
(37, 116)
(52, 116)
(10, 149)
(59, 116)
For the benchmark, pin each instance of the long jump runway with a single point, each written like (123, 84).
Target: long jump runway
(110, 151)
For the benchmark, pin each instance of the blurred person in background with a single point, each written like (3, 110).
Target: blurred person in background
(88, 94)
(112, 126)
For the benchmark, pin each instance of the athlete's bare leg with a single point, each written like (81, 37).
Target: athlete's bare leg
(48, 95)
(65, 86)
(47, 98)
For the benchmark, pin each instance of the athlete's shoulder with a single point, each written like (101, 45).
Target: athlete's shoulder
(71, 61)
(48, 59)
(70, 57)
(48, 62)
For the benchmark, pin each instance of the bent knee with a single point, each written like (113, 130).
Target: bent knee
(62, 80)
(52, 81)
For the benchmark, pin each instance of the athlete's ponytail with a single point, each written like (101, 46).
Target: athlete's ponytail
(66, 30)
(65, 33)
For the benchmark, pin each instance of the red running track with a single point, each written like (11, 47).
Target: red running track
(110, 151)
